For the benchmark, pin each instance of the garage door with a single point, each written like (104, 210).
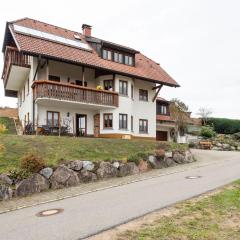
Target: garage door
(162, 135)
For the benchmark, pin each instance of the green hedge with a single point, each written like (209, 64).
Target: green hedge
(225, 125)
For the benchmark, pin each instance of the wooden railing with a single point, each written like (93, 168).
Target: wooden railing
(13, 57)
(69, 92)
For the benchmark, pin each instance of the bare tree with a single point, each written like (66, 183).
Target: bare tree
(205, 114)
(178, 110)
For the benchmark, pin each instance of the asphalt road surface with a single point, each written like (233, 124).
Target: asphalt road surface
(88, 214)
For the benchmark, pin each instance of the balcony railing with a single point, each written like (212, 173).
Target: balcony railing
(69, 92)
(14, 57)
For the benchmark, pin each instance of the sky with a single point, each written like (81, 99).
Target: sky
(196, 41)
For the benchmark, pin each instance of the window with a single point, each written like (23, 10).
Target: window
(106, 54)
(143, 95)
(54, 78)
(163, 110)
(80, 83)
(132, 91)
(108, 85)
(132, 123)
(143, 126)
(107, 120)
(123, 121)
(128, 60)
(123, 87)
(118, 57)
(53, 119)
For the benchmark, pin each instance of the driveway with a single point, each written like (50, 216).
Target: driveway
(88, 214)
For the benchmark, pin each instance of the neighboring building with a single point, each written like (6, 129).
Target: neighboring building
(66, 78)
(165, 130)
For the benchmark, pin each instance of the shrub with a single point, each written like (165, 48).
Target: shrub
(191, 145)
(160, 154)
(225, 125)
(3, 128)
(163, 145)
(138, 157)
(207, 132)
(32, 163)
(237, 136)
(19, 174)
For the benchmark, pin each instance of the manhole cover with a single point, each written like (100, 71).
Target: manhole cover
(193, 177)
(49, 212)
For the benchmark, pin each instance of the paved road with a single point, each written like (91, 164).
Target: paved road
(90, 213)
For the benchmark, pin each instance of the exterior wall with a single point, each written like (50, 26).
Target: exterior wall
(67, 72)
(132, 107)
(165, 129)
(27, 105)
(127, 105)
(42, 117)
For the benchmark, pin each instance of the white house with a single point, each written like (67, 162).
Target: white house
(88, 86)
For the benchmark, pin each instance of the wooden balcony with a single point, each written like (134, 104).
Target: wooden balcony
(73, 93)
(13, 57)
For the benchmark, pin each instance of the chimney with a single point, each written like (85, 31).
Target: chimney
(86, 29)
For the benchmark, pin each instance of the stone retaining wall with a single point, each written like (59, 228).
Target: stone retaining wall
(78, 172)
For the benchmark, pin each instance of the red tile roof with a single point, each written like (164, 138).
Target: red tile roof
(144, 68)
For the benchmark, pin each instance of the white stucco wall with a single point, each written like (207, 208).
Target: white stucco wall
(27, 105)
(42, 116)
(132, 107)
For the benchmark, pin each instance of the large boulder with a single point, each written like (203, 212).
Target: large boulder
(4, 178)
(5, 192)
(88, 165)
(87, 176)
(33, 184)
(116, 164)
(129, 168)
(106, 170)
(75, 165)
(169, 162)
(168, 154)
(218, 144)
(226, 147)
(178, 157)
(46, 172)
(143, 166)
(189, 158)
(63, 177)
(232, 148)
(156, 162)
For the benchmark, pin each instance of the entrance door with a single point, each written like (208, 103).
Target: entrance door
(96, 125)
(162, 135)
(81, 125)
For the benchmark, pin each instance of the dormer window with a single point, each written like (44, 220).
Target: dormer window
(107, 54)
(118, 57)
(128, 60)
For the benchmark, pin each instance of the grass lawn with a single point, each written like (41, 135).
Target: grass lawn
(54, 148)
(215, 217)
(9, 123)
